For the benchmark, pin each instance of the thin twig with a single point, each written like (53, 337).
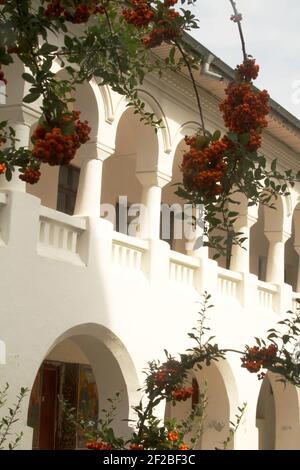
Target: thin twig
(233, 4)
(194, 85)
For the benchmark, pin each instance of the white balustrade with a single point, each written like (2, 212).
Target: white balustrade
(266, 295)
(228, 283)
(128, 252)
(59, 235)
(182, 269)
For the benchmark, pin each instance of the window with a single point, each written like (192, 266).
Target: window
(67, 188)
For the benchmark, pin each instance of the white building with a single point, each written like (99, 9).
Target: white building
(77, 295)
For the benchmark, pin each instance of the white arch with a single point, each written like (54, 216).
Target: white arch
(163, 133)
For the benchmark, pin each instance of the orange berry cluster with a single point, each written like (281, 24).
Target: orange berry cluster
(182, 394)
(77, 13)
(203, 169)
(136, 447)
(55, 148)
(256, 358)
(183, 446)
(165, 374)
(2, 168)
(30, 175)
(164, 30)
(248, 70)
(140, 16)
(98, 445)
(172, 436)
(245, 109)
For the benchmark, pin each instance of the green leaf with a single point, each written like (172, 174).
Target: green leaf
(28, 78)
(216, 135)
(274, 164)
(31, 97)
(47, 49)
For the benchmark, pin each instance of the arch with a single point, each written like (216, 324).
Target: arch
(278, 415)
(222, 404)
(163, 133)
(113, 369)
(188, 128)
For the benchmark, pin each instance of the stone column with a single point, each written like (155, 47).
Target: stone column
(152, 182)
(90, 180)
(20, 119)
(275, 262)
(240, 255)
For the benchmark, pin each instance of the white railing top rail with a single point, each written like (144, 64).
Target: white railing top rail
(130, 242)
(185, 260)
(267, 286)
(230, 275)
(60, 217)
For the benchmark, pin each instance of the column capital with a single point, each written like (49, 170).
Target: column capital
(21, 113)
(93, 150)
(153, 178)
(277, 236)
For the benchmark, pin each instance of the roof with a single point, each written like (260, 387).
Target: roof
(282, 124)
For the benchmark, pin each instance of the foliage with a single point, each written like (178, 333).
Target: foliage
(167, 382)
(115, 44)
(8, 439)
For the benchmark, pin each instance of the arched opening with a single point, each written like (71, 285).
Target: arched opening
(58, 185)
(85, 371)
(265, 416)
(121, 188)
(277, 416)
(65, 374)
(259, 247)
(172, 226)
(292, 253)
(209, 383)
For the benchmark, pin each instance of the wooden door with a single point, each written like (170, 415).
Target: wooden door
(48, 413)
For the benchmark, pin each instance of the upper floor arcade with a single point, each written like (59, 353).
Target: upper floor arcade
(126, 163)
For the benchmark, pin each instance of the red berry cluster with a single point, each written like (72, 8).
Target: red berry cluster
(136, 447)
(203, 169)
(2, 168)
(245, 109)
(77, 12)
(173, 436)
(183, 446)
(256, 358)
(30, 175)
(52, 146)
(247, 71)
(140, 16)
(182, 394)
(98, 445)
(166, 374)
(164, 30)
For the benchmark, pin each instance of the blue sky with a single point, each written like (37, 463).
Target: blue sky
(272, 33)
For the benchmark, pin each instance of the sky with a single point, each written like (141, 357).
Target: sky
(272, 33)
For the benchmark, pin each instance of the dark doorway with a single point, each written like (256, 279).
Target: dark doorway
(48, 412)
